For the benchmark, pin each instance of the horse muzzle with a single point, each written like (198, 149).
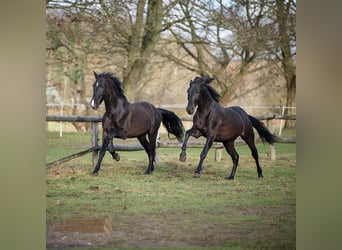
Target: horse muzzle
(93, 105)
(190, 110)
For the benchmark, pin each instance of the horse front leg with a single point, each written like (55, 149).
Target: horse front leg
(207, 146)
(105, 141)
(191, 132)
(111, 149)
(119, 133)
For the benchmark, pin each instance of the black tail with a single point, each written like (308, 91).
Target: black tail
(172, 124)
(263, 132)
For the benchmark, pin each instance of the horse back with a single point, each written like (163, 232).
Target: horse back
(142, 109)
(242, 114)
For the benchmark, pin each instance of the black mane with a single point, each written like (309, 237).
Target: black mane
(216, 96)
(115, 82)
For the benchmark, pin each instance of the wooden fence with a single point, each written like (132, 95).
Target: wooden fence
(95, 147)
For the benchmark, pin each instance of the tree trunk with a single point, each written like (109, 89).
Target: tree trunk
(230, 90)
(141, 47)
(74, 108)
(283, 15)
(132, 78)
(84, 100)
(235, 82)
(291, 98)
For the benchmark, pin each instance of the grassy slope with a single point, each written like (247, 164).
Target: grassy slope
(169, 208)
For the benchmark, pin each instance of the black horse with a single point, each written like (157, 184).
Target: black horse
(128, 120)
(220, 124)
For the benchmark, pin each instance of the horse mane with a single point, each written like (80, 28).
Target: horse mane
(115, 83)
(216, 96)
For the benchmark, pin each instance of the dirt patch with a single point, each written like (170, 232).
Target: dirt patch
(160, 230)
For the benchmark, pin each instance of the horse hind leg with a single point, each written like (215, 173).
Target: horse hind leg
(250, 142)
(235, 158)
(143, 141)
(153, 144)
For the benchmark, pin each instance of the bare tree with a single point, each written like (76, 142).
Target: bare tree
(144, 36)
(124, 33)
(286, 20)
(245, 20)
(64, 48)
(219, 40)
(227, 40)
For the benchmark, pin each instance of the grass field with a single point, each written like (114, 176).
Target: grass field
(169, 209)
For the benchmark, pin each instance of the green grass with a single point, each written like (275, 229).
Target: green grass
(169, 209)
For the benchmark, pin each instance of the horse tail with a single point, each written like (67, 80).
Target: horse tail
(263, 132)
(172, 124)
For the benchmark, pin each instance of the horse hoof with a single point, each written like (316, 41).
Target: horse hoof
(95, 174)
(260, 176)
(197, 175)
(182, 157)
(116, 157)
(229, 178)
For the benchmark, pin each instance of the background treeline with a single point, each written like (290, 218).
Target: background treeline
(155, 47)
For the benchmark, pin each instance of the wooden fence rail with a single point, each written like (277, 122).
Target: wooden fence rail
(95, 147)
(76, 118)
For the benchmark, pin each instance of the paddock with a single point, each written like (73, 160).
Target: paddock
(123, 208)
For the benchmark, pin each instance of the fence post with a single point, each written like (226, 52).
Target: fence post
(94, 141)
(218, 154)
(271, 129)
(281, 121)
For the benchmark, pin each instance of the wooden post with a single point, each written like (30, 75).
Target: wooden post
(94, 141)
(282, 121)
(218, 154)
(271, 129)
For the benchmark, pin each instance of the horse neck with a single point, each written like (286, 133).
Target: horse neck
(206, 102)
(113, 101)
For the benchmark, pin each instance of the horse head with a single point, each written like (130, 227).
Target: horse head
(98, 91)
(194, 91)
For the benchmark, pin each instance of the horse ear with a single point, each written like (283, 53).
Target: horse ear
(96, 75)
(208, 80)
(197, 79)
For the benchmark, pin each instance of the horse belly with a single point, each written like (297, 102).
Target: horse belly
(228, 131)
(138, 127)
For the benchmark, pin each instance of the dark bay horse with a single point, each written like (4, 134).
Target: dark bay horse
(123, 119)
(220, 124)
